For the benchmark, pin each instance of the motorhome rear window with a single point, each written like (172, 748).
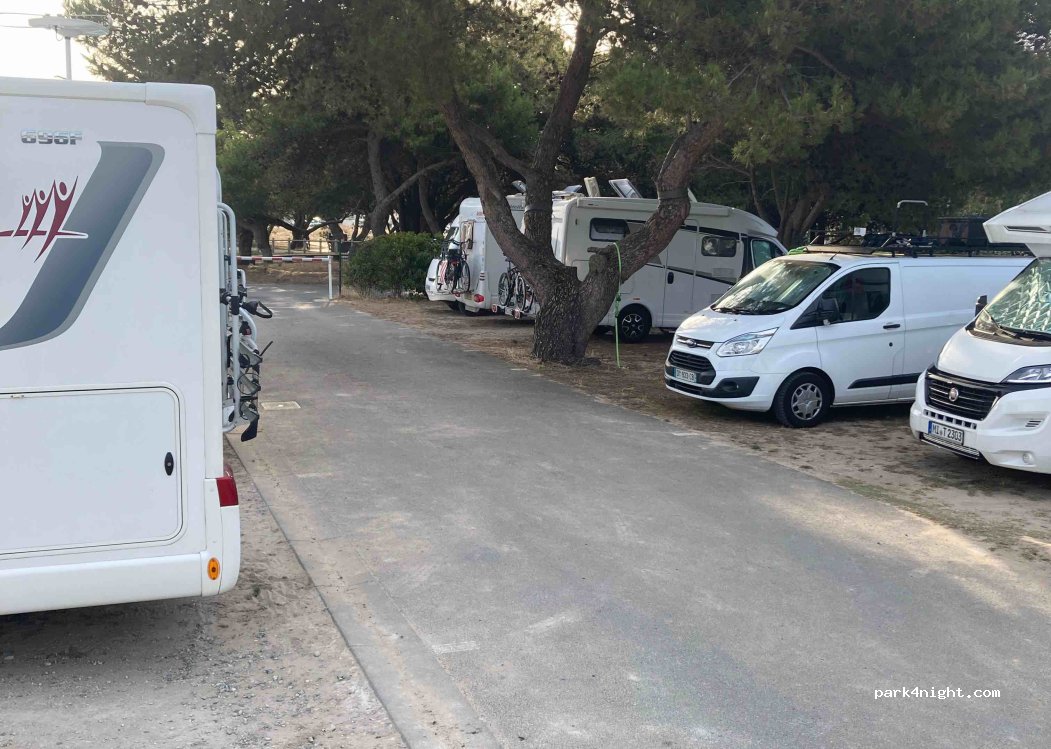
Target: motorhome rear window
(608, 229)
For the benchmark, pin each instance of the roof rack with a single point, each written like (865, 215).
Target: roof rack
(929, 249)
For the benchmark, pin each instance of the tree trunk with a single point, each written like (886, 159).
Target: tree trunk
(425, 207)
(260, 235)
(569, 308)
(244, 240)
(385, 198)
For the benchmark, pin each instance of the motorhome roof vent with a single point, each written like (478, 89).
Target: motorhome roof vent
(624, 188)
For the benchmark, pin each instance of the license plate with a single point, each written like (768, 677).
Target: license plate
(943, 432)
(685, 375)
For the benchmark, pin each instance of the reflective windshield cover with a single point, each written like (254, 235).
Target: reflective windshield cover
(1022, 311)
(775, 286)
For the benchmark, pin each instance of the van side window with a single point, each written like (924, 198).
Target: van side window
(861, 295)
(608, 229)
(763, 251)
(718, 246)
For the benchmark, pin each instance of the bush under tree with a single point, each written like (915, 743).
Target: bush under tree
(391, 263)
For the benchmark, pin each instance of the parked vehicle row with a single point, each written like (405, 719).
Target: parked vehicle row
(855, 323)
(715, 246)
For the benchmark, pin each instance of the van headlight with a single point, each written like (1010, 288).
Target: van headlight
(749, 343)
(1030, 375)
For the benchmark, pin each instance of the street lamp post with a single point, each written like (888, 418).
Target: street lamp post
(68, 28)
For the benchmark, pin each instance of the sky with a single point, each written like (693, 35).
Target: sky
(35, 53)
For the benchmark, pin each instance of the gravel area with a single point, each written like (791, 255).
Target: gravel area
(262, 665)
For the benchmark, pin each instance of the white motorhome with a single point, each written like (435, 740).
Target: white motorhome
(126, 347)
(484, 256)
(988, 395)
(715, 246)
(830, 327)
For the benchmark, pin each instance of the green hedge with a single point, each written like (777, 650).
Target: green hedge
(396, 263)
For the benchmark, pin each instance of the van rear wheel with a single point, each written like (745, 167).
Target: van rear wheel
(633, 324)
(454, 306)
(803, 400)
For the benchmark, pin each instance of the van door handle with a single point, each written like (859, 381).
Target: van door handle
(892, 325)
(671, 277)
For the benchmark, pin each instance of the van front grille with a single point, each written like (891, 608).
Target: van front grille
(690, 361)
(963, 398)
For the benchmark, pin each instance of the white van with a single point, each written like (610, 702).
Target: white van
(806, 332)
(988, 395)
(715, 246)
(126, 347)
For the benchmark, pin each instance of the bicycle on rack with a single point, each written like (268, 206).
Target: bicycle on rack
(453, 273)
(514, 291)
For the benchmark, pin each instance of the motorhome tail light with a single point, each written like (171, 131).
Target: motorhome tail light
(227, 488)
(213, 569)
(479, 298)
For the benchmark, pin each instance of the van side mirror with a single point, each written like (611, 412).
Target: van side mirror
(980, 304)
(821, 312)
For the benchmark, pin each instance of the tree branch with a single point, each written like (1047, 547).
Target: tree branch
(824, 61)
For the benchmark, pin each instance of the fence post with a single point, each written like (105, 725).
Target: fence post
(328, 262)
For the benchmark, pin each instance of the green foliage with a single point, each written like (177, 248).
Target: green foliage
(395, 262)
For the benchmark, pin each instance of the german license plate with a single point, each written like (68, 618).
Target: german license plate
(685, 375)
(943, 432)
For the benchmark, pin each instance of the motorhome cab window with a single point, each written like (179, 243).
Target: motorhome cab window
(718, 246)
(1022, 311)
(861, 295)
(608, 229)
(763, 251)
(774, 287)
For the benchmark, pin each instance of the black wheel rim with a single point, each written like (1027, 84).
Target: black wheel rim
(632, 326)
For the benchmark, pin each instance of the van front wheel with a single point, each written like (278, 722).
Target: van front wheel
(803, 400)
(633, 324)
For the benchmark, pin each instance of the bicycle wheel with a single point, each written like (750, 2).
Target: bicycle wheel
(505, 290)
(520, 290)
(528, 299)
(464, 281)
(451, 274)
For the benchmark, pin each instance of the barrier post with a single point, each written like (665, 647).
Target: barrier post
(328, 262)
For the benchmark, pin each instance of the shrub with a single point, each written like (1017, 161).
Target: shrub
(395, 263)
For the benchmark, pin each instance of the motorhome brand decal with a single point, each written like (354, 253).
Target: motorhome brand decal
(52, 137)
(94, 225)
(43, 216)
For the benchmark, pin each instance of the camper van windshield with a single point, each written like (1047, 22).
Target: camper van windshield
(1022, 311)
(773, 287)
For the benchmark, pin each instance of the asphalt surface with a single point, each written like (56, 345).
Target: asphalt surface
(518, 564)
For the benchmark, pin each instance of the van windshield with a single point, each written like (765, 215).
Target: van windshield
(1022, 311)
(773, 287)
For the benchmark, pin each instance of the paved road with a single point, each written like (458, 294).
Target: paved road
(518, 564)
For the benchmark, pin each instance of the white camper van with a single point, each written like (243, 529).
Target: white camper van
(714, 248)
(436, 290)
(988, 395)
(126, 347)
(833, 326)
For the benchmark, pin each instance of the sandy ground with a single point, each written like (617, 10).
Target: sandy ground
(866, 449)
(262, 665)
